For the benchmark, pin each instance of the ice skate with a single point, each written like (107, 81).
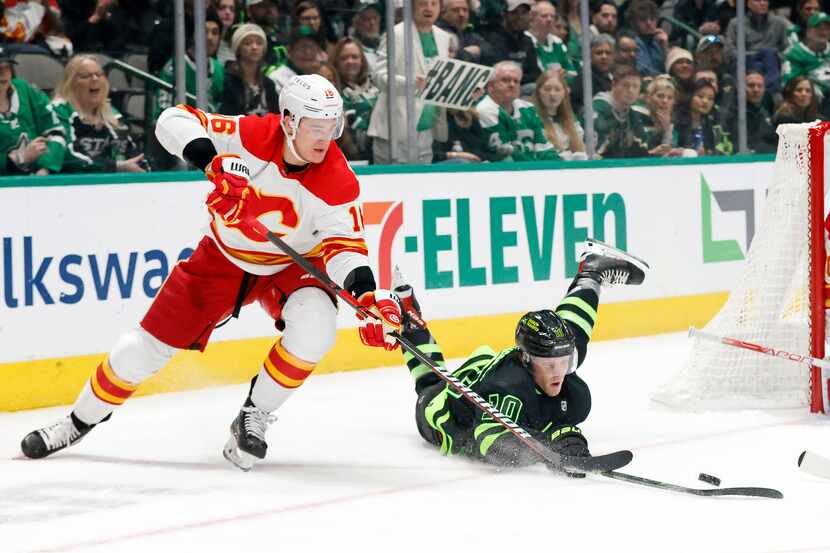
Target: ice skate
(247, 441)
(59, 435)
(410, 309)
(611, 266)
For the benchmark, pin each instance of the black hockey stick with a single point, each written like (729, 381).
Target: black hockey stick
(714, 492)
(594, 464)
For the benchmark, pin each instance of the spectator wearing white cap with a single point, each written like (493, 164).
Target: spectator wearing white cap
(247, 91)
(511, 43)
(681, 66)
(429, 42)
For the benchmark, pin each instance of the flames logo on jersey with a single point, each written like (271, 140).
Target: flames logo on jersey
(257, 205)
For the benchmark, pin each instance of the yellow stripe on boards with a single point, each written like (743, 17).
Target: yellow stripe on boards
(47, 382)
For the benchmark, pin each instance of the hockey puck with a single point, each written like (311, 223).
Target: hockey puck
(709, 479)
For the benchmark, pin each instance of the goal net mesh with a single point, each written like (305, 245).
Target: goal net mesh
(769, 306)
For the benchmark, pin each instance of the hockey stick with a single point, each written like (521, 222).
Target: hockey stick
(715, 492)
(806, 359)
(815, 464)
(595, 464)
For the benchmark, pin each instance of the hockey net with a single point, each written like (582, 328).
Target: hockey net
(779, 301)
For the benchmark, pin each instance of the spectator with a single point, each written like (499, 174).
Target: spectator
(658, 117)
(626, 51)
(359, 98)
(96, 25)
(33, 25)
(697, 128)
(569, 9)
(307, 13)
(651, 40)
(680, 66)
(226, 10)
(766, 36)
(266, 14)
(800, 104)
(697, 14)
(804, 9)
(31, 137)
(366, 30)
(550, 50)
(304, 51)
(95, 139)
(604, 17)
(811, 57)
(514, 131)
(162, 40)
(760, 134)
(430, 42)
(466, 140)
(511, 43)
(247, 91)
(215, 71)
(619, 130)
(328, 72)
(709, 56)
(553, 105)
(560, 28)
(455, 19)
(602, 52)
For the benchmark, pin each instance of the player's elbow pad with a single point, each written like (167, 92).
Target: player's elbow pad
(199, 152)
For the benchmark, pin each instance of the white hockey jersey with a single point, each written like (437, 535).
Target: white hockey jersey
(315, 210)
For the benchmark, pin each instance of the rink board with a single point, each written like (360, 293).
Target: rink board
(82, 258)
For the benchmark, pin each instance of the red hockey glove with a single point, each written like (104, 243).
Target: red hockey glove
(229, 175)
(377, 333)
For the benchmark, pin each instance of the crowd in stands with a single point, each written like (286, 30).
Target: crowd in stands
(663, 76)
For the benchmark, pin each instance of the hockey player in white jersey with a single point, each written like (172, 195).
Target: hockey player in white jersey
(280, 173)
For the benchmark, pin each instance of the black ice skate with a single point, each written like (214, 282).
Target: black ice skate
(59, 435)
(610, 266)
(247, 441)
(410, 309)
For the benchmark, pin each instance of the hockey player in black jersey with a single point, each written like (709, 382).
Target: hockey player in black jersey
(533, 383)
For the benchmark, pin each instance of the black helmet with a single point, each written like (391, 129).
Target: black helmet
(544, 334)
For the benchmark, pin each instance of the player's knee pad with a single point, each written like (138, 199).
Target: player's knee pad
(310, 324)
(138, 355)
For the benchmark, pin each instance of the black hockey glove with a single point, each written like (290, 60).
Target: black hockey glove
(568, 440)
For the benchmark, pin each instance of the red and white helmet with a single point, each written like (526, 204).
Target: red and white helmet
(311, 96)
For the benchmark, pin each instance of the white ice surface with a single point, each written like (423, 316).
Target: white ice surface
(347, 471)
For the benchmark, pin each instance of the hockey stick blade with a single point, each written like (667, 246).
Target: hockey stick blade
(768, 493)
(814, 464)
(553, 459)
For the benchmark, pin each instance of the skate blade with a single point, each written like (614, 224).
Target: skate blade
(601, 248)
(243, 461)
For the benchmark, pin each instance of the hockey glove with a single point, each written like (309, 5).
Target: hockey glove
(568, 440)
(229, 175)
(377, 333)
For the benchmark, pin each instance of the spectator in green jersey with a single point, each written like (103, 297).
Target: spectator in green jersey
(304, 54)
(96, 141)
(31, 137)
(811, 57)
(515, 132)
(215, 71)
(619, 130)
(551, 52)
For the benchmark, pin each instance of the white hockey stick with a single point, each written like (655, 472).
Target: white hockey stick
(815, 464)
(694, 332)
